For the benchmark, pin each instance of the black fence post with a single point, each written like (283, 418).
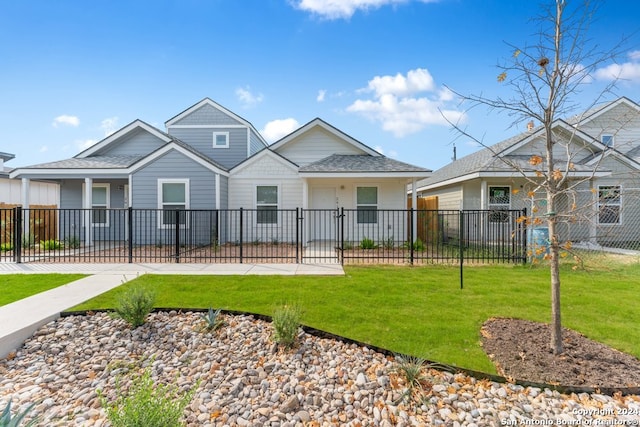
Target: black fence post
(523, 225)
(177, 237)
(341, 235)
(241, 232)
(411, 242)
(17, 234)
(298, 221)
(461, 248)
(130, 233)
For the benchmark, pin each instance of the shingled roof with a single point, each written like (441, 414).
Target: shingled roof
(360, 163)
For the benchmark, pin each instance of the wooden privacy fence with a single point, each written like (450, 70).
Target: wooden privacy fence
(427, 217)
(43, 223)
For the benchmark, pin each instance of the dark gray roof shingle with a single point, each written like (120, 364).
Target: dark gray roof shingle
(360, 163)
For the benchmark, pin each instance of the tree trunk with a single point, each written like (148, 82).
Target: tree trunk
(554, 267)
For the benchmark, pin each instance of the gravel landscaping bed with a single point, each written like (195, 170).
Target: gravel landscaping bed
(244, 379)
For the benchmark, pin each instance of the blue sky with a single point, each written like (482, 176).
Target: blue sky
(72, 72)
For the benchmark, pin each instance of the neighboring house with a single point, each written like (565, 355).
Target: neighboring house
(602, 147)
(211, 159)
(39, 193)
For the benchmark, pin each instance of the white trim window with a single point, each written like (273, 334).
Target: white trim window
(173, 196)
(607, 139)
(100, 202)
(220, 139)
(499, 200)
(609, 204)
(367, 205)
(267, 204)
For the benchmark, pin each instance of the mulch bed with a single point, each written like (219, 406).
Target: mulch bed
(521, 350)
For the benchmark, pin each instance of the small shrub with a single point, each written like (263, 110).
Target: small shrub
(28, 241)
(286, 322)
(6, 247)
(213, 320)
(147, 404)
(389, 243)
(134, 305)
(347, 246)
(73, 242)
(418, 245)
(257, 241)
(367, 243)
(7, 421)
(412, 371)
(51, 244)
(275, 241)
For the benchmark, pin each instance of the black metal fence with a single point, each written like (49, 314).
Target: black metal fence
(404, 236)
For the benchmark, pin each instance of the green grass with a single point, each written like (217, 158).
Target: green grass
(14, 287)
(421, 310)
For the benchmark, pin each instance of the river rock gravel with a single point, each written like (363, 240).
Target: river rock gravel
(244, 379)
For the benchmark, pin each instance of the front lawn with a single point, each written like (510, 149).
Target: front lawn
(14, 287)
(421, 310)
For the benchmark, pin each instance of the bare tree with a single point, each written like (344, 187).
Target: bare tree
(545, 79)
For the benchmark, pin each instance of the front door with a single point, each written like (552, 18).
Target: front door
(322, 218)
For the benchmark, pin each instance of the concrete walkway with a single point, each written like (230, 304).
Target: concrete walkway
(20, 319)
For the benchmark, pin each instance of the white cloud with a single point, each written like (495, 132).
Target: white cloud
(407, 104)
(344, 9)
(276, 129)
(321, 95)
(85, 143)
(66, 120)
(629, 71)
(109, 125)
(44, 149)
(418, 80)
(247, 98)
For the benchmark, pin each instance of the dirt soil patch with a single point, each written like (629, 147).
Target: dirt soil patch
(520, 350)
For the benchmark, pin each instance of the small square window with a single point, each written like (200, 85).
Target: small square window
(221, 140)
(607, 140)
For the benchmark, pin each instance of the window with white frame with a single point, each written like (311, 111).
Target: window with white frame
(609, 203)
(173, 197)
(100, 196)
(607, 140)
(499, 200)
(367, 205)
(221, 140)
(267, 204)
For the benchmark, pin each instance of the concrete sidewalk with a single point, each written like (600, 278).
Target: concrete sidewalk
(20, 319)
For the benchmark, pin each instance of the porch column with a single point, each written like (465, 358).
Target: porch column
(217, 191)
(483, 195)
(305, 194)
(26, 202)
(88, 202)
(414, 203)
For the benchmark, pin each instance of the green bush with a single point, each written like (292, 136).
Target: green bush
(286, 322)
(73, 242)
(147, 404)
(7, 421)
(367, 243)
(134, 305)
(389, 243)
(28, 241)
(52, 244)
(6, 247)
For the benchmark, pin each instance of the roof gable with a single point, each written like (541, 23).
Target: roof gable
(102, 146)
(297, 137)
(260, 157)
(594, 113)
